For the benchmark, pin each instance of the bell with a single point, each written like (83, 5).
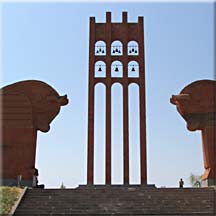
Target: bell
(119, 51)
(130, 51)
(97, 51)
(113, 51)
(133, 69)
(116, 49)
(100, 50)
(99, 69)
(133, 50)
(116, 69)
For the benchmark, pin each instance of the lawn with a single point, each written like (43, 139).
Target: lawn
(8, 197)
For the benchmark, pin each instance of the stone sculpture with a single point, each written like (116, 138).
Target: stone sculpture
(27, 106)
(197, 105)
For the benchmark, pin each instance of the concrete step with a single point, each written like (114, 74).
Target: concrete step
(119, 200)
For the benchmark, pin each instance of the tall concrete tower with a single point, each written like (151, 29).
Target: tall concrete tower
(116, 55)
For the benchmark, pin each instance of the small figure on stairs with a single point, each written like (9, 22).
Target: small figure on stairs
(35, 179)
(181, 183)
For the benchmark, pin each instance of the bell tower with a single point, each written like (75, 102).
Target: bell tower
(116, 54)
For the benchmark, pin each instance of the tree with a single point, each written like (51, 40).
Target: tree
(62, 186)
(195, 180)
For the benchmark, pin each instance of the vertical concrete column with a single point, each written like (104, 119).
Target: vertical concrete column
(108, 134)
(125, 100)
(209, 153)
(143, 159)
(34, 141)
(108, 98)
(125, 134)
(90, 159)
(143, 171)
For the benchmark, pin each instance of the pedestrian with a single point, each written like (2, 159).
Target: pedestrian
(34, 177)
(181, 183)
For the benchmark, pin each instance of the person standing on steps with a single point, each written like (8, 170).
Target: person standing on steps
(181, 183)
(34, 177)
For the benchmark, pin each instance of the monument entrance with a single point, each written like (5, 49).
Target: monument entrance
(116, 55)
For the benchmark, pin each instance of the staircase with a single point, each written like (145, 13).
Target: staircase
(119, 200)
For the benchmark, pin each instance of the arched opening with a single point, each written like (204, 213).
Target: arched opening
(133, 48)
(117, 69)
(100, 48)
(134, 134)
(117, 134)
(133, 69)
(116, 48)
(100, 69)
(99, 133)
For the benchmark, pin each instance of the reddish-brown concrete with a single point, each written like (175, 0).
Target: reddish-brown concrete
(197, 105)
(27, 106)
(109, 32)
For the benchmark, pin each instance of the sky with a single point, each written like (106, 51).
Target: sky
(50, 42)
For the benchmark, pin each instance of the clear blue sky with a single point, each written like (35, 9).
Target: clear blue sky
(49, 42)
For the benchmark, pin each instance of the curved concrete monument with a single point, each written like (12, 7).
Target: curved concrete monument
(197, 105)
(27, 106)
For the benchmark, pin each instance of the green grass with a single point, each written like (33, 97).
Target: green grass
(8, 197)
